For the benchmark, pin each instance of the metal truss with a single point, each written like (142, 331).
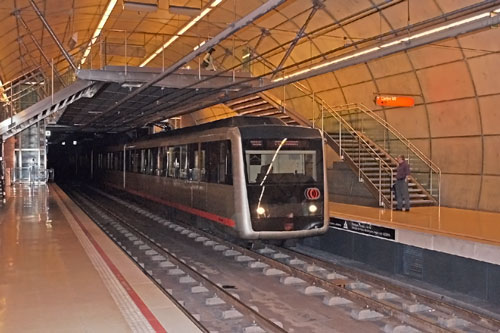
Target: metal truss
(47, 107)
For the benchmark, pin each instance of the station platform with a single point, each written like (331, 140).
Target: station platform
(60, 273)
(454, 249)
(467, 233)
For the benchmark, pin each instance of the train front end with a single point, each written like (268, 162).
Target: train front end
(285, 181)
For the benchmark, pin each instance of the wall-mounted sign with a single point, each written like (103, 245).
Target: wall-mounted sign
(400, 101)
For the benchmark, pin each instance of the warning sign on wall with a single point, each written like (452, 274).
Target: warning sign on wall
(363, 228)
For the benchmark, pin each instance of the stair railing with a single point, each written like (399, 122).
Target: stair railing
(426, 172)
(391, 136)
(363, 145)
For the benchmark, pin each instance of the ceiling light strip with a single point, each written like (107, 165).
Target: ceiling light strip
(399, 41)
(181, 32)
(97, 32)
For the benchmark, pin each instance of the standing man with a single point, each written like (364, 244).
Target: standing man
(32, 171)
(402, 178)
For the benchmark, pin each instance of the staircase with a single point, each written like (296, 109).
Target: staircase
(376, 168)
(364, 141)
(260, 105)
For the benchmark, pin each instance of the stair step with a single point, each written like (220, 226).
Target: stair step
(270, 113)
(387, 190)
(248, 105)
(243, 100)
(372, 169)
(419, 202)
(252, 110)
(364, 153)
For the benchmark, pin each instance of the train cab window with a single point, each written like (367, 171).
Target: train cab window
(294, 161)
(217, 162)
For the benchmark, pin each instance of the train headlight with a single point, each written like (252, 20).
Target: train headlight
(260, 210)
(313, 208)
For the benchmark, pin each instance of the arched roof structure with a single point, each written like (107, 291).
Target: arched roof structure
(455, 81)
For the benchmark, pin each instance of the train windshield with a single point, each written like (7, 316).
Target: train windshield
(281, 161)
(284, 182)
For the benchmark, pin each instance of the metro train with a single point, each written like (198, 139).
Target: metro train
(252, 177)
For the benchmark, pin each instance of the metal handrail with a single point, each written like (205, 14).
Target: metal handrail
(383, 165)
(434, 168)
(419, 154)
(394, 131)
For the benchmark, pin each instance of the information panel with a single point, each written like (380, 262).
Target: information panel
(363, 228)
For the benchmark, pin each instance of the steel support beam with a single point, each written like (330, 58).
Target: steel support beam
(264, 33)
(234, 27)
(364, 55)
(299, 35)
(53, 35)
(47, 107)
(38, 46)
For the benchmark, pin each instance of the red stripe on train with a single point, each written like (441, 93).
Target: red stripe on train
(210, 216)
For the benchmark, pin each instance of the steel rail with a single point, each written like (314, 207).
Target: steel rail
(85, 207)
(472, 316)
(223, 294)
(332, 287)
(335, 286)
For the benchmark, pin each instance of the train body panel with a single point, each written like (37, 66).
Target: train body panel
(213, 172)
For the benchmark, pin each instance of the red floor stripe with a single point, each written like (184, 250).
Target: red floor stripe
(133, 295)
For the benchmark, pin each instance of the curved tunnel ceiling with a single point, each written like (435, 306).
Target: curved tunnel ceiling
(456, 119)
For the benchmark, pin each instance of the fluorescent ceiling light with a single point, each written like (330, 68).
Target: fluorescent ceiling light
(181, 32)
(198, 46)
(97, 32)
(140, 6)
(399, 41)
(184, 10)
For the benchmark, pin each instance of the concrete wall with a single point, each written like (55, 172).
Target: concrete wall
(456, 120)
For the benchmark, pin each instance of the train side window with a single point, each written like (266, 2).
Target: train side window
(149, 161)
(128, 161)
(120, 161)
(163, 161)
(174, 162)
(155, 161)
(193, 163)
(135, 160)
(217, 162)
(184, 163)
(143, 161)
(226, 168)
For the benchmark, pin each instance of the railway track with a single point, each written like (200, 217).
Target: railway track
(295, 291)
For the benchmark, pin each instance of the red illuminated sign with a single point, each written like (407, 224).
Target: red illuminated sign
(400, 101)
(312, 193)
